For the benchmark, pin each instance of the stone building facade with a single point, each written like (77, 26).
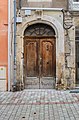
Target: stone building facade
(46, 45)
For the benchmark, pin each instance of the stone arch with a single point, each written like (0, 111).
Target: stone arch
(58, 27)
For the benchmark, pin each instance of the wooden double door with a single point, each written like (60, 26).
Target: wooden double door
(40, 63)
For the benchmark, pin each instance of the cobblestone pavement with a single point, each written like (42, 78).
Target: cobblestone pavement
(39, 105)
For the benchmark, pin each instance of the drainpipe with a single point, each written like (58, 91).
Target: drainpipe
(20, 4)
(14, 81)
(9, 50)
(67, 8)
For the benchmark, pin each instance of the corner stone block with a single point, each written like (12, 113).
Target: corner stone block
(70, 61)
(67, 47)
(72, 34)
(67, 73)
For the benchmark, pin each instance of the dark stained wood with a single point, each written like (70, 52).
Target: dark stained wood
(40, 62)
(47, 51)
(36, 37)
(31, 59)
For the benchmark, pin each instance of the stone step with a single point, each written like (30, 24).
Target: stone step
(76, 87)
(74, 91)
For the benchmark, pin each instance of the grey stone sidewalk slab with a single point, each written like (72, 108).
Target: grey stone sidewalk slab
(39, 104)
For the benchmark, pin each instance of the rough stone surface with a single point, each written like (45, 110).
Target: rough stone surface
(70, 61)
(67, 73)
(70, 52)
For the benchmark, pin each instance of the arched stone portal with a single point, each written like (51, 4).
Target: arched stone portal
(39, 56)
(57, 37)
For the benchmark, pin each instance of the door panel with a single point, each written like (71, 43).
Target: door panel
(40, 63)
(47, 59)
(31, 64)
(47, 78)
(31, 58)
(47, 82)
(32, 83)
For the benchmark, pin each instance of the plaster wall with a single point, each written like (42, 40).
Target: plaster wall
(3, 44)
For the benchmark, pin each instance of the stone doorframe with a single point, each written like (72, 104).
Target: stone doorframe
(60, 57)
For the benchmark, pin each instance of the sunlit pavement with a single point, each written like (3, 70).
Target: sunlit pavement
(39, 104)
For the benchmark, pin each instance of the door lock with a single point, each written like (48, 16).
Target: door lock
(40, 62)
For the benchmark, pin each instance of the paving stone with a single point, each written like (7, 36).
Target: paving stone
(39, 105)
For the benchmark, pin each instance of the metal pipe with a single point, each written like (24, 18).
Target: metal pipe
(14, 81)
(9, 29)
(20, 4)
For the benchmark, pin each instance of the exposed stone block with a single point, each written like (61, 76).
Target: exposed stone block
(67, 73)
(71, 32)
(72, 48)
(70, 61)
(73, 75)
(67, 47)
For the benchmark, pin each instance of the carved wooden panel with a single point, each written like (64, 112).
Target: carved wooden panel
(40, 62)
(31, 59)
(47, 58)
